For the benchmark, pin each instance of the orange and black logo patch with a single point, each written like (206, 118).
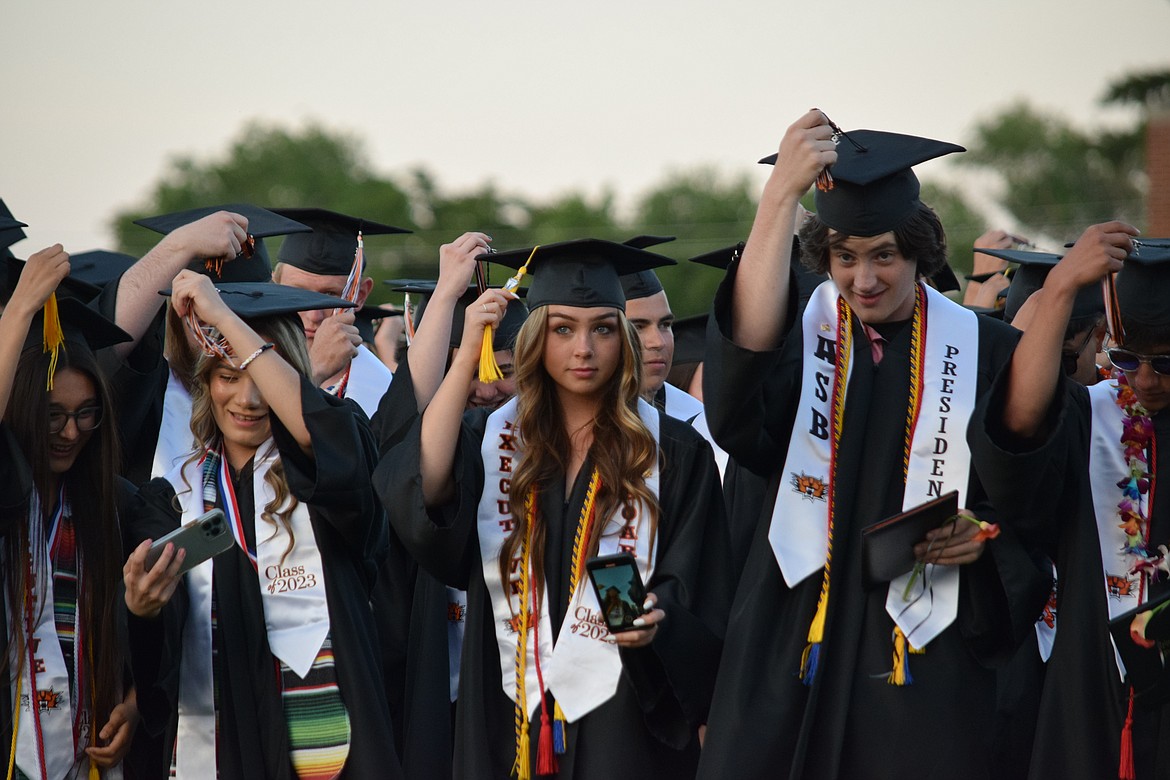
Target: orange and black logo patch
(812, 488)
(1120, 587)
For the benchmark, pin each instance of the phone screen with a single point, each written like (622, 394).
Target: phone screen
(619, 590)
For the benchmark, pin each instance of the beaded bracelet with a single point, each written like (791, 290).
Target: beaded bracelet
(248, 360)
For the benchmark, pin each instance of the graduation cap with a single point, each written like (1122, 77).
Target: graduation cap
(262, 224)
(329, 249)
(363, 320)
(646, 241)
(689, 339)
(251, 300)
(642, 284)
(944, 279)
(504, 336)
(719, 258)
(873, 189)
(68, 323)
(1034, 268)
(1143, 285)
(10, 230)
(584, 272)
(99, 267)
(69, 287)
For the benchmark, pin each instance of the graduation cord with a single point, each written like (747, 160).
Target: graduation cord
(844, 351)
(900, 672)
(552, 740)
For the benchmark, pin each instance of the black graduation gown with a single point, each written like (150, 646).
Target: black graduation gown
(350, 531)
(1045, 487)
(851, 723)
(137, 385)
(410, 610)
(648, 729)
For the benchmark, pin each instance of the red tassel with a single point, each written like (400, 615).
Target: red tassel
(1125, 770)
(546, 757)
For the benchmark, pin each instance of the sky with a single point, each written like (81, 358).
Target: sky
(539, 97)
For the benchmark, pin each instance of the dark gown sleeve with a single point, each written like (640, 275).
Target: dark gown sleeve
(750, 397)
(674, 676)
(137, 384)
(337, 475)
(441, 539)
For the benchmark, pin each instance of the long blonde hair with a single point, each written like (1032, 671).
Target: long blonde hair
(623, 448)
(286, 333)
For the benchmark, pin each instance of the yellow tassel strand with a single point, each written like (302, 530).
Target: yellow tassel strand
(816, 630)
(900, 675)
(53, 337)
(489, 369)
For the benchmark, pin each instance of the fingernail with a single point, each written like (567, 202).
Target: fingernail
(639, 622)
(648, 604)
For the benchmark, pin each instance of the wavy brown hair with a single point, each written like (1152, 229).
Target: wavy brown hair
(623, 449)
(286, 333)
(181, 356)
(91, 487)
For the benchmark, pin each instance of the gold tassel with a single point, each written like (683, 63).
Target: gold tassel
(94, 773)
(489, 369)
(53, 337)
(901, 671)
(523, 762)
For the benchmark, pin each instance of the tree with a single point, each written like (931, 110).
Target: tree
(1058, 179)
(272, 166)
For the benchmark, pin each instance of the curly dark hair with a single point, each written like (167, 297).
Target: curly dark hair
(920, 238)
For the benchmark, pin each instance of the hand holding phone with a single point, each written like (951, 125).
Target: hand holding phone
(202, 538)
(619, 589)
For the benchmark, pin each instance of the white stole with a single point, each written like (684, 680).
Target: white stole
(1107, 465)
(296, 614)
(369, 379)
(940, 458)
(175, 440)
(583, 669)
(53, 697)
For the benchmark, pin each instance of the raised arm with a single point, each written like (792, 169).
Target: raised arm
(217, 235)
(40, 277)
(428, 351)
(278, 382)
(760, 303)
(444, 414)
(1035, 374)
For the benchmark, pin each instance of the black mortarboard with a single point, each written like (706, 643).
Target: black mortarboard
(945, 280)
(719, 258)
(584, 272)
(262, 224)
(251, 300)
(70, 286)
(646, 241)
(874, 189)
(1143, 285)
(330, 248)
(10, 230)
(364, 318)
(641, 285)
(504, 336)
(1029, 277)
(99, 267)
(689, 339)
(80, 324)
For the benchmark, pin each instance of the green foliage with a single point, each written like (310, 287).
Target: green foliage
(1144, 89)
(1058, 179)
(963, 224)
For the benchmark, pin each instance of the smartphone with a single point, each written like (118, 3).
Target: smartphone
(202, 538)
(619, 590)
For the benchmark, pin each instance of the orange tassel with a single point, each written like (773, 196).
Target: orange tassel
(53, 336)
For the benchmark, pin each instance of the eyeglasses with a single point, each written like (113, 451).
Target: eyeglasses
(1131, 361)
(87, 418)
(1069, 360)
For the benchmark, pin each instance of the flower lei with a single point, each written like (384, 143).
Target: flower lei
(1137, 436)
